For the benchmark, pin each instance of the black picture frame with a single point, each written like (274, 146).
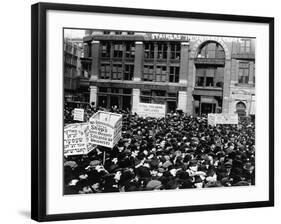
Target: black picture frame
(39, 108)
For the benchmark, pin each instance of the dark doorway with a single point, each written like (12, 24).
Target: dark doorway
(171, 106)
(126, 103)
(114, 101)
(207, 108)
(102, 101)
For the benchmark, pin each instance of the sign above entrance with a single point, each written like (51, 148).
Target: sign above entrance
(164, 36)
(214, 119)
(151, 110)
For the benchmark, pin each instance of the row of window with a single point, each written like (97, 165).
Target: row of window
(205, 76)
(107, 32)
(164, 50)
(245, 46)
(69, 59)
(117, 71)
(209, 76)
(161, 73)
(72, 49)
(157, 51)
(117, 50)
(126, 72)
(70, 71)
(213, 76)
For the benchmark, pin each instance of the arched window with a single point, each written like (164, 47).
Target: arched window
(241, 109)
(210, 65)
(211, 50)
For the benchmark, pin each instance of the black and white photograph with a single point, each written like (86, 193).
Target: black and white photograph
(154, 111)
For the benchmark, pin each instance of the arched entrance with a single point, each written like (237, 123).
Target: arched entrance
(241, 109)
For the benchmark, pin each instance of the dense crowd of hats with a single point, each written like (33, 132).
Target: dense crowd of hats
(175, 152)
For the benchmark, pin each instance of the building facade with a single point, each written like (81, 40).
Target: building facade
(74, 91)
(196, 74)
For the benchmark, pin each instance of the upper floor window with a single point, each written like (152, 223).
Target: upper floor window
(161, 74)
(118, 32)
(128, 72)
(211, 50)
(117, 50)
(243, 74)
(130, 50)
(105, 50)
(162, 50)
(174, 74)
(245, 46)
(106, 32)
(105, 71)
(149, 50)
(209, 76)
(175, 51)
(117, 71)
(148, 73)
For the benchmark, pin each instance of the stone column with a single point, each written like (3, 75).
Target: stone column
(190, 86)
(226, 87)
(95, 60)
(182, 101)
(234, 71)
(138, 64)
(186, 77)
(251, 73)
(184, 62)
(136, 100)
(93, 94)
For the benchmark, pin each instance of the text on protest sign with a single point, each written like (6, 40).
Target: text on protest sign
(76, 139)
(151, 110)
(105, 128)
(214, 119)
(78, 114)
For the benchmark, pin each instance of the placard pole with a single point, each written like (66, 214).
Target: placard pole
(103, 160)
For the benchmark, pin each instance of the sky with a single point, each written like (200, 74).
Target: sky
(74, 33)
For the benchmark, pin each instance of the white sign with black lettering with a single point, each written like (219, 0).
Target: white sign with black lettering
(151, 110)
(78, 114)
(105, 128)
(76, 139)
(214, 119)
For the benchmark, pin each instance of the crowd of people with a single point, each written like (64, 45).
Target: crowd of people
(174, 152)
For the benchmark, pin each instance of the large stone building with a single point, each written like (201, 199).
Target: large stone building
(197, 74)
(72, 53)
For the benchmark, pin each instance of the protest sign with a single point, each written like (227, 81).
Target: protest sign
(214, 119)
(76, 139)
(151, 110)
(78, 114)
(105, 128)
